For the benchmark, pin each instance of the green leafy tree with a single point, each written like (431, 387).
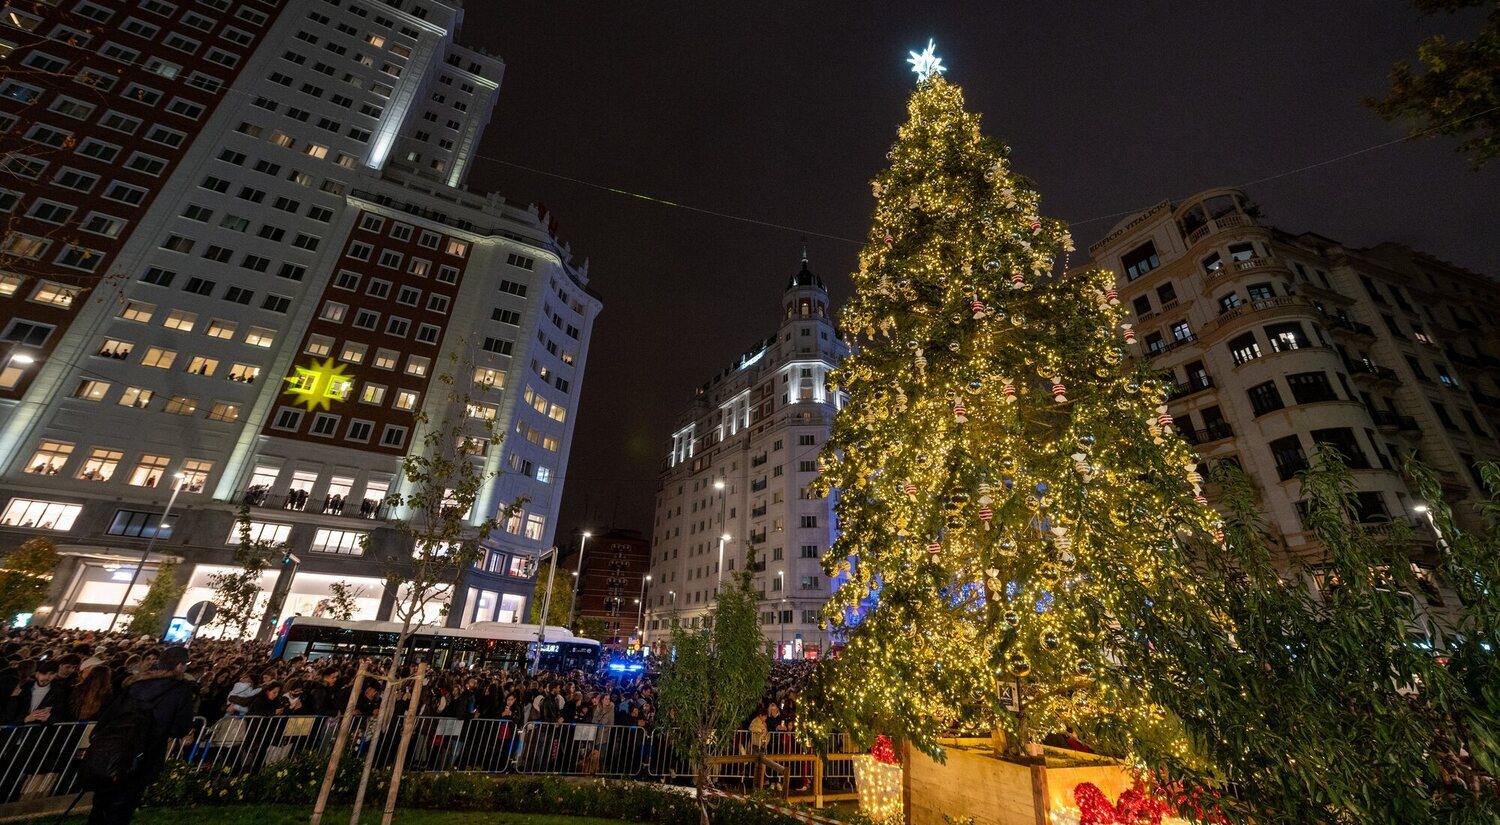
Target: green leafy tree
(558, 606)
(25, 576)
(443, 480)
(149, 618)
(1324, 670)
(237, 593)
(713, 679)
(1456, 92)
(1010, 496)
(592, 627)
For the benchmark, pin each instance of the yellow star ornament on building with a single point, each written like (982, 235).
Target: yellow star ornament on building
(319, 383)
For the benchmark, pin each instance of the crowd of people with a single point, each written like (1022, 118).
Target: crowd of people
(51, 676)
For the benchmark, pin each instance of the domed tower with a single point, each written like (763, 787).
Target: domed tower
(805, 296)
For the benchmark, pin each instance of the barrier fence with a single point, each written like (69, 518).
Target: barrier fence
(38, 761)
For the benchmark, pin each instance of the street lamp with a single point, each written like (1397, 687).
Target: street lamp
(780, 620)
(577, 578)
(541, 628)
(640, 604)
(177, 479)
(781, 588)
(722, 487)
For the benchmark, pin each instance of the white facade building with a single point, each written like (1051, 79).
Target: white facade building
(735, 485)
(316, 214)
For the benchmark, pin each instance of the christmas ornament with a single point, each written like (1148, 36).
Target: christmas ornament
(1129, 333)
(1059, 392)
(976, 308)
(1017, 280)
(1112, 297)
(1008, 390)
(934, 547)
(1020, 666)
(960, 413)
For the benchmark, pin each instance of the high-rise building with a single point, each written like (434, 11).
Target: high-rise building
(735, 485)
(1277, 343)
(615, 565)
(217, 203)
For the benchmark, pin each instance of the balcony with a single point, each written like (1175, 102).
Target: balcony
(1349, 325)
(757, 485)
(1387, 420)
(1276, 304)
(758, 511)
(299, 502)
(1197, 384)
(1371, 370)
(758, 538)
(1217, 431)
(1217, 225)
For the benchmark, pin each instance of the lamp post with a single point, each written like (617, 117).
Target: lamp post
(781, 648)
(781, 588)
(146, 554)
(541, 628)
(723, 537)
(577, 579)
(640, 605)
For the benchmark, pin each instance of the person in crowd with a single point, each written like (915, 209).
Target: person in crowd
(167, 696)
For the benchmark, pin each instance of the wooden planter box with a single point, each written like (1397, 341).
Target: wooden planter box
(975, 783)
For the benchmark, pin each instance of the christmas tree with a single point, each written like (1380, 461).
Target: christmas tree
(1011, 495)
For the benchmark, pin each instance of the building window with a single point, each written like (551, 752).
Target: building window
(40, 515)
(1288, 455)
(195, 474)
(262, 532)
(1286, 337)
(1311, 387)
(1139, 261)
(1244, 348)
(148, 470)
(136, 524)
(1265, 398)
(340, 542)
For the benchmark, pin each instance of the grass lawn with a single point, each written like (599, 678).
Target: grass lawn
(298, 815)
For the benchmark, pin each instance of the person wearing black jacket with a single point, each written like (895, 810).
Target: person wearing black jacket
(43, 699)
(167, 696)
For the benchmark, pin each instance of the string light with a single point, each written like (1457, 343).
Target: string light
(982, 383)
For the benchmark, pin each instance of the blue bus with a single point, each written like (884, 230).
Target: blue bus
(483, 644)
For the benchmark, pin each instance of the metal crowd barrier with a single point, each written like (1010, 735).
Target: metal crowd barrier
(38, 761)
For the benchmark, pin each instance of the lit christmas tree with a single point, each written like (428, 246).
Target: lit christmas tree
(1011, 495)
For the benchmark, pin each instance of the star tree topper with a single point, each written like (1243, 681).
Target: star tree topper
(926, 64)
(316, 384)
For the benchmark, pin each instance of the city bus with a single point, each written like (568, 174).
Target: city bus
(483, 644)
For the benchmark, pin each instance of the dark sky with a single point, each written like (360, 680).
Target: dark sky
(784, 111)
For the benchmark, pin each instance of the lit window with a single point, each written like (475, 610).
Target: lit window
(195, 474)
(180, 405)
(159, 357)
(244, 373)
(535, 526)
(417, 365)
(100, 465)
(406, 400)
(203, 366)
(149, 470)
(260, 337)
(220, 329)
(40, 515)
(353, 352)
(136, 397)
(58, 295)
(316, 150)
(341, 542)
(457, 248)
(319, 345)
(372, 394)
(385, 359)
(490, 379)
(180, 320)
(91, 390)
(50, 458)
(261, 532)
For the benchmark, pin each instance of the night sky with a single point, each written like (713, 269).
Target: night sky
(783, 112)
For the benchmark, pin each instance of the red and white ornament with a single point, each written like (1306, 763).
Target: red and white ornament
(1017, 280)
(986, 515)
(1036, 226)
(1129, 333)
(1059, 392)
(1200, 500)
(1163, 418)
(910, 489)
(976, 307)
(1008, 390)
(960, 412)
(1112, 296)
(934, 547)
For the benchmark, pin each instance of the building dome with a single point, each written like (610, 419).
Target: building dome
(805, 278)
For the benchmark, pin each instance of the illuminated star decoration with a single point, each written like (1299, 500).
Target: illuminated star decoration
(318, 383)
(926, 64)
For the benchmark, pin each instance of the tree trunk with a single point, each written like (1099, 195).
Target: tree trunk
(387, 700)
(339, 742)
(406, 731)
(700, 778)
